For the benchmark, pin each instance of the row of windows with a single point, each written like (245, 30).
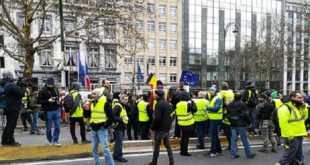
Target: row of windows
(151, 60)
(162, 44)
(162, 9)
(162, 26)
(161, 76)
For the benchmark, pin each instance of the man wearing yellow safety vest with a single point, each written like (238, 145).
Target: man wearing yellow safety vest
(250, 98)
(215, 115)
(201, 118)
(144, 117)
(105, 88)
(161, 126)
(101, 118)
(25, 110)
(184, 113)
(277, 103)
(121, 120)
(76, 116)
(292, 116)
(227, 96)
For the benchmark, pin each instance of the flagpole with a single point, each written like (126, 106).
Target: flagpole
(69, 71)
(78, 67)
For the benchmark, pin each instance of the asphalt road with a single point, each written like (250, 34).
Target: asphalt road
(197, 158)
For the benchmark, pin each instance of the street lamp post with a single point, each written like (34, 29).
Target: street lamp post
(221, 73)
(62, 40)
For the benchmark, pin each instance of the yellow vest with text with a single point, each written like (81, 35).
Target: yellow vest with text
(278, 103)
(227, 97)
(97, 111)
(143, 117)
(215, 115)
(155, 101)
(201, 114)
(184, 118)
(79, 110)
(123, 113)
(292, 123)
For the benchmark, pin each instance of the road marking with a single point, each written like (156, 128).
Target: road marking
(126, 156)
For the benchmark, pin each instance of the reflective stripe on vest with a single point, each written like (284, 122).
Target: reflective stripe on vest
(123, 113)
(184, 118)
(143, 116)
(201, 114)
(296, 118)
(97, 112)
(79, 110)
(215, 115)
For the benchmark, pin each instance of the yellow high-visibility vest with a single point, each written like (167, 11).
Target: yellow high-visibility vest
(201, 114)
(215, 115)
(143, 117)
(184, 118)
(97, 112)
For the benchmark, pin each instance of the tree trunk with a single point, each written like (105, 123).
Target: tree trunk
(29, 64)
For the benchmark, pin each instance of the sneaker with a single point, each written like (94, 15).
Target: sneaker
(50, 143)
(75, 142)
(251, 156)
(185, 154)
(211, 155)
(234, 156)
(57, 144)
(32, 133)
(86, 141)
(263, 150)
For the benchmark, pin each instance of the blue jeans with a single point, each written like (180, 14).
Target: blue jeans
(252, 115)
(34, 124)
(214, 127)
(101, 136)
(244, 138)
(201, 128)
(118, 147)
(53, 116)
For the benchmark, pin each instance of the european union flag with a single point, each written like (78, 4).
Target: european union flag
(189, 78)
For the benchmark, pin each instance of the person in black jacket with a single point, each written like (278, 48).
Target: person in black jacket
(132, 112)
(264, 112)
(161, 126)
(14, 96)
(121, 119)
(49, 100)
(239, 119)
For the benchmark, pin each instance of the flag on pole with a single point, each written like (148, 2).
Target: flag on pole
(139, 76)
(81, 72)
(189, 78)
(151, 80)
(87, 78)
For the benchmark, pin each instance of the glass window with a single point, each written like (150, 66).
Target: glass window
(162, 61)
(150, 8)
(150, 26)
(128, 77)
(20, 20)
(151, 44)
(47, 27)
(162, 10)
(173, 45)
(173, 28)
(140, 60)
(173, 61)
(173, 11)
(46, 57)
(69, 23)
(162, 77)
(151, 60)
(127, 59)
(93, 57)
(71, 53)
(162, 44)
(139, 25)
(162, 26)
(173, 77)
(127, 42)
(111, 58)
(139, 44)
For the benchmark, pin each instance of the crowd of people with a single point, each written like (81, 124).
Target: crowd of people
(277, 119)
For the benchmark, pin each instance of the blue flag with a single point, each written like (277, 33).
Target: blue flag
(139, 76)
(81, 73)
(148, 69)
(189, 78)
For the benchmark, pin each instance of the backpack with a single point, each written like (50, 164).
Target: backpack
(252, 99)
(70, 104)
(3, 98)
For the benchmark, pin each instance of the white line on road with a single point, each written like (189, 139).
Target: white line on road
(130, 155)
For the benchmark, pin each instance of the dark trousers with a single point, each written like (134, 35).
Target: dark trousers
(227, 131)
(177, 131)
(185, 133)
(145, 128)
(118, 146)
(214, 126)
(26, 117)
(293, 152)
(201, 129)
(79, 120)
(132, 124)
(8, 132)
(165, 137)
